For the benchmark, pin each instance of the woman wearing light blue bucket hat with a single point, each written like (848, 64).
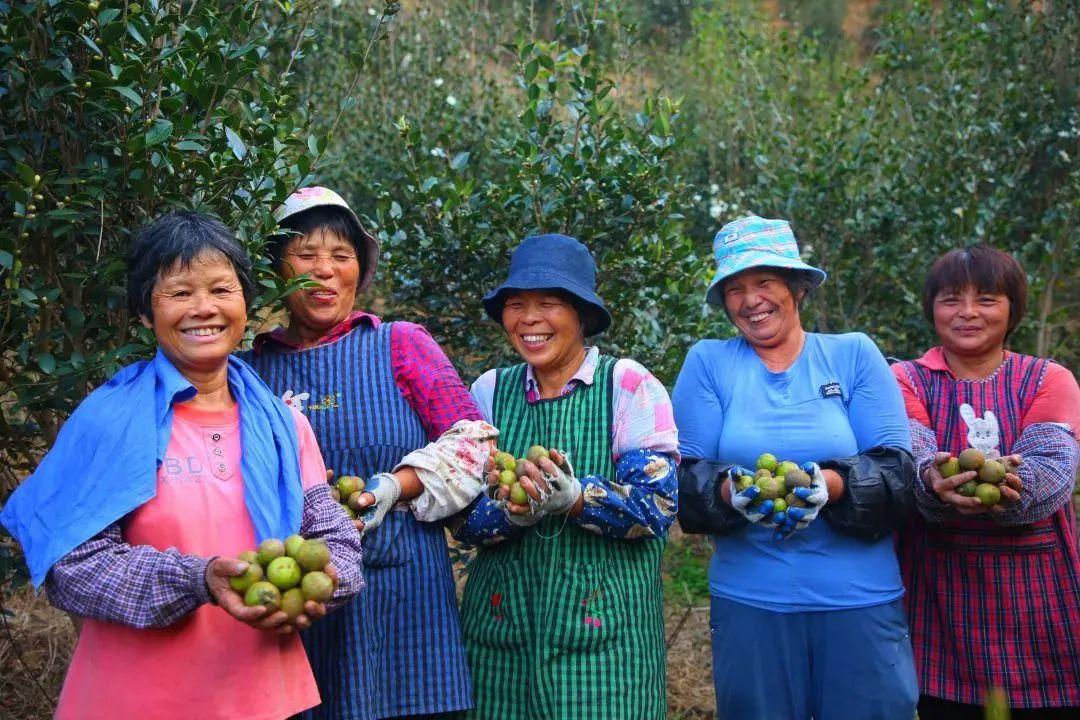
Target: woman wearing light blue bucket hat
(806, 594)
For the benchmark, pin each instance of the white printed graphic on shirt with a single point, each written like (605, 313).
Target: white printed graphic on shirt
(982, 432)
(295, 400)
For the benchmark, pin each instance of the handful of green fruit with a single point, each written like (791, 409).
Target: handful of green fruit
(991, 474)
(511, 470)
(776, 482)
(347, 491)
(284, 575)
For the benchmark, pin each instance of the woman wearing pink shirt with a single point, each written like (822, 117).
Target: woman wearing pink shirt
(167, 472)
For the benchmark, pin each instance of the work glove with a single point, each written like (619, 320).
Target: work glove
(385, 489)
(556, 489)
(743, 500)
(815, 497)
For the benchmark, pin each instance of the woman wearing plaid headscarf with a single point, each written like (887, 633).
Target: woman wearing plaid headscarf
(807, 618)
(994, 591)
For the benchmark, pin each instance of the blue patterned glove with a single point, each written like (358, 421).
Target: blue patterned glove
(386, 490)
(743, 500)
(814, 497)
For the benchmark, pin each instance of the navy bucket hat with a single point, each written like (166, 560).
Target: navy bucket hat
(553, 262)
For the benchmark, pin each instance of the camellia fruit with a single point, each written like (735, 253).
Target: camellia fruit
(988, 494)
(950, 467)
(518, 496)
(292, 544)
(314, 555)
(292, 602)
(992, 472)
(253, 574)
(507, 477)
(766, 461)
(347, 485)
(971, 459)
(284, 572)
(269, 550)
(263, 593)
(537, 453)
(317, 586)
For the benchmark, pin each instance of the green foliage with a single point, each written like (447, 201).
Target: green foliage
(574, 161)
(960, 126)
(112, 113)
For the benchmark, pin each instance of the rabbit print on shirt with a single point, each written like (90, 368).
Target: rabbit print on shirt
(982, 432)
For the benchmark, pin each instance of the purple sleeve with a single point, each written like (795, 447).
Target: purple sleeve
(1049, 456)
(923, 448)
(140, 586)
(428, 381)
(324, 518)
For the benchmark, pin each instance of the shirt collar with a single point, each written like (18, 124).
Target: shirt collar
(584, 375)
(934, 360)
(277, 335)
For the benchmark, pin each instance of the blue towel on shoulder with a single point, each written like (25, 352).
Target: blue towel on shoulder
(105, 460)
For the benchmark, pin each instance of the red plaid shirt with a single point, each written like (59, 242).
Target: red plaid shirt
(994, 601)
(424, 375)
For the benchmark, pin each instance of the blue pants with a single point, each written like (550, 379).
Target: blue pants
(830, 665)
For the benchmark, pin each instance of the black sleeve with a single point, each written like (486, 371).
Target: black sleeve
(701, 507)
(878, 492)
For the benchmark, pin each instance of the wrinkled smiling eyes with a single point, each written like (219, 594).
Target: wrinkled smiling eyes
(338, 258)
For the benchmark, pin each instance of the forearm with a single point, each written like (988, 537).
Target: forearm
(924, 447)
(1049, 458)
(446, 476)
(324, 519)
(640, 503)
(485, 523)
(703, 505)
(108, 579)
(877, 494)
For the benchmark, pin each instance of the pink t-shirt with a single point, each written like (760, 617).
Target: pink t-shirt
(208, 665)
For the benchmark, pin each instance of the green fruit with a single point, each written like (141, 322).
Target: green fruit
(967, 489)
(269, 550)
(519, 469)
(762, 473)
(507, 477)
(766, 461)
(347, 485)
(770, 487)
(988, 494)
(744, 482)
(971, 459)
(779, 505)
(313, 555)
(249, 556)
(794, 500)
(785, 467)
(536, 454)
(518, 496)
(354, 501)
(292, 544)
(284, 572)
(253, 574)
(950, 467)
(317, 586)
(992, 472)
(797, 478)
(292, 602)
(505, 461)
(263, 593)
(349, 511)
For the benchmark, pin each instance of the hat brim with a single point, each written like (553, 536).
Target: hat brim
(595, 322)
(369, 251)
(714, 295)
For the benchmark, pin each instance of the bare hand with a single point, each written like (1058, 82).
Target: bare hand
(1013, 485)
(218, 573)
(945, 488)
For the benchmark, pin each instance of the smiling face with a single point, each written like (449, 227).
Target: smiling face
(544, 328)
(970, 322)
(199, 314)
(762, 306)
(330, 260)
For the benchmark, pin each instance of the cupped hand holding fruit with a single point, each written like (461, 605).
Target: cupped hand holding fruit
(972, 484)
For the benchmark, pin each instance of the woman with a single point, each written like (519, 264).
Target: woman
(375, 394)
(806, 617)
(562, 609)
(994, 592)
(156, 482)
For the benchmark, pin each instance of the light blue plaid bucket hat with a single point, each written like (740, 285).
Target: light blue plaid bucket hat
(752, 242)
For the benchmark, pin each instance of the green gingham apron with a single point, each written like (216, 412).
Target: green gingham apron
(562, 623)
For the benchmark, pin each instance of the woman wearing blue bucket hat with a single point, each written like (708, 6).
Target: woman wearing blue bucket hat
(806, 601)
(562, 610)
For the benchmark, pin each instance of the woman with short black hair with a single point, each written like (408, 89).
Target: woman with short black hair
(993, 590)
(158, 480)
